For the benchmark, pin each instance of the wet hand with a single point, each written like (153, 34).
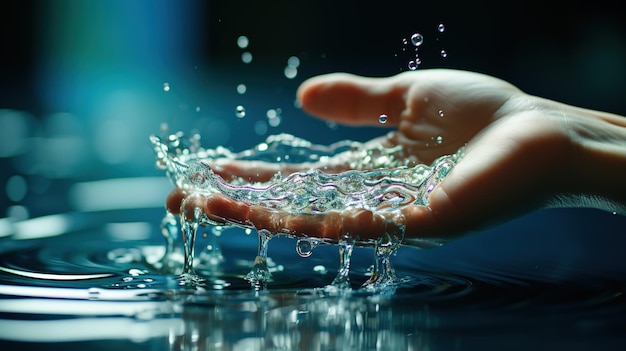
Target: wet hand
(520, 152)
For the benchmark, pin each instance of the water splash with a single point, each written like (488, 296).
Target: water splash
(380, 183)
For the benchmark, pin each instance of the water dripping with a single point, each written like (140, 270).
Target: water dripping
(444, 53)
(441, 28)
(412, 65)
(259, 275)
(342, 280)
(383, 278)
(382, 119)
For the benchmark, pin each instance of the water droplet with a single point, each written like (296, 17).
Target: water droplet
(439, 139)
(166, 86)
(240, 111)
(320, 269)
(382, 118)
(243, 42)
(293, 61)
(197, 108)
(441, 28)
(274, 121)
(404, 41)
(417, 39)
(440, 113)
(412, 65)
(291, 72)
(444, 53)
(305, 247)
(241, 88)
(246, 57)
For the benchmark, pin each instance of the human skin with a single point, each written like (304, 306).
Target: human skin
(522, 153)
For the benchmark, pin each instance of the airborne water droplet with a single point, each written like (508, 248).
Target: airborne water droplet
(166, 87)
(439, 139)
(305, 247)
(246, 57)
(440, 113)
(441, 28)
(242, 42)
(241, 88)
(417, 39)
(382, 118)
(444, 53)
(240, 111)
(413, 65)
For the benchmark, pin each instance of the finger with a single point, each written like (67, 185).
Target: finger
(359, 224)
(353, 100)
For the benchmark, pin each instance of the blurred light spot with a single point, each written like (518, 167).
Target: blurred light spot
(43, 227)
(291, 72)
(17, 213)
(14, 131)
(241, 88)
(16, 188)
(6, 227)
(166, 87)
(129, 231)
(243, 42)
(293, 61)
(120, 193)
(246, 57)
(260, 128)
(85, 329)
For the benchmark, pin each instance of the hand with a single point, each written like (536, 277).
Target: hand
(523, 153)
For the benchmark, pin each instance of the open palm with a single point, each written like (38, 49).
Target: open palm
(520, 151)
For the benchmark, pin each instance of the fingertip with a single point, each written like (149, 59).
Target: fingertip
(174, 200)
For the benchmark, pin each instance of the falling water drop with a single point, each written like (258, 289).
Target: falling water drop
(342, 280)
(305, 246)
(246, 57)
(413, 65)
(240, 111)
(439, 139)
(440, 113)
(166, 87)
(243, 42)
(441, 28)
(382, 119)
(444, 53)
(241, 89)
(383, 277)
(259, 275)
(417, 39)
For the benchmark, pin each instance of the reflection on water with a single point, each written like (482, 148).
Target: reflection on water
(87, 287)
